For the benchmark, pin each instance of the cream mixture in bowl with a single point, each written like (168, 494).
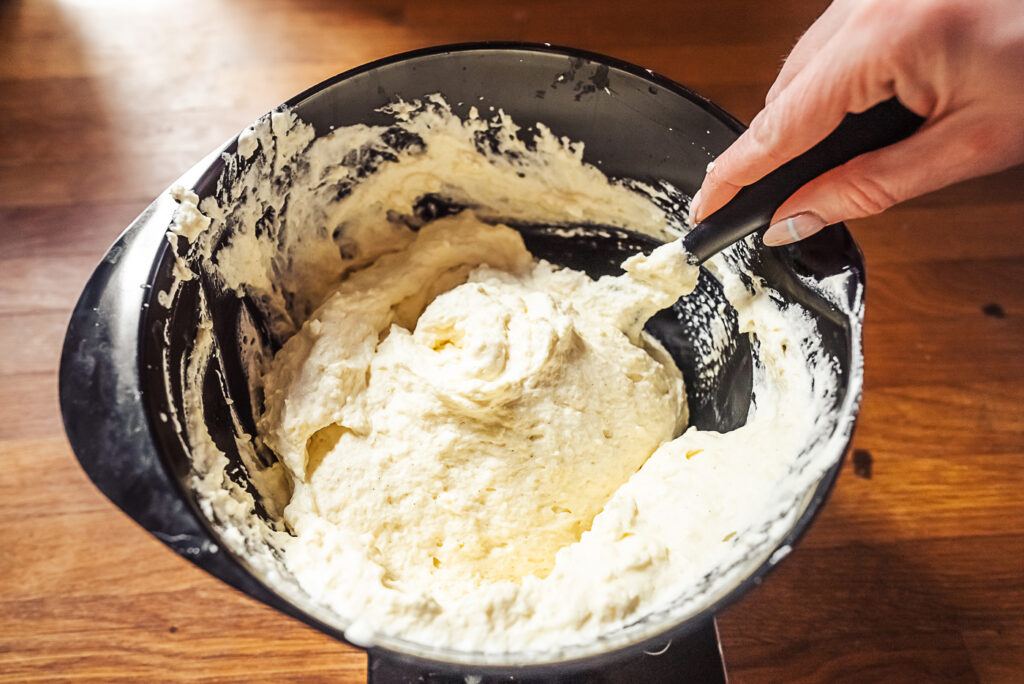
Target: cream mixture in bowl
(433, 371)
(474, 449)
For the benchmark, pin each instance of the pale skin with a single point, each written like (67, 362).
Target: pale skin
(958, 63)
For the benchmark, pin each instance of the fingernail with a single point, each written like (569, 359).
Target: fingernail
(694, 206)
(792, 229)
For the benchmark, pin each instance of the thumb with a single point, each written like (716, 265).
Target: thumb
(932, 158)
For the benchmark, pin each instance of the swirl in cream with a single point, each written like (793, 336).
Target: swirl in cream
(469, 421)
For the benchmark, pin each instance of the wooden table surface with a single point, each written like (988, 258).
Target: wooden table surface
(914, 572)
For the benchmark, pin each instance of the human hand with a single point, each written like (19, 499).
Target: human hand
(958, 63)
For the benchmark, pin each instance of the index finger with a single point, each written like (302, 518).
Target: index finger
(806, 111)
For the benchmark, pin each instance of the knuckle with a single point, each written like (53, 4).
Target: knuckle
(764, 139)
(866, 195)
(760, 132)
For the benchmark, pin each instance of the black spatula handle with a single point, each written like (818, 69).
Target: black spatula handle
(754, 205)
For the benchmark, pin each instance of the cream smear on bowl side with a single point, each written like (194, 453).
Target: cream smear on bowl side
(477, 450)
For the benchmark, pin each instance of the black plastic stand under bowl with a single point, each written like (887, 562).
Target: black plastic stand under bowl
(116, 399)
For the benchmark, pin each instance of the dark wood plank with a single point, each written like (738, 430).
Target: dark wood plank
(869, 657)
(911, 601)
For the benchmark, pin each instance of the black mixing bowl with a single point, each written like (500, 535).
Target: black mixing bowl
(121, 407)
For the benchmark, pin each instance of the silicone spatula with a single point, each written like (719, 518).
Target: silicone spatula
(754, 205)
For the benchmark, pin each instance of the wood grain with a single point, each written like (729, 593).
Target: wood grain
(916, 574)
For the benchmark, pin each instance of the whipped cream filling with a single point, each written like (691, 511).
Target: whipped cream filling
(475, 450)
